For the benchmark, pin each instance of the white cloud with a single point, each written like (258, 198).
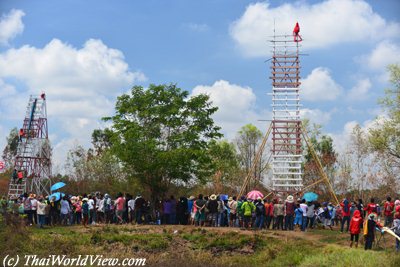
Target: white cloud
(316, 116)
(339, 21)
(81, 85)
(385, 53)
(11, 25)
(360, 91)
(320, 86)
(236, 106)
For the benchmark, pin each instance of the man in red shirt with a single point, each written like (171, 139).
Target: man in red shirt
(296, 35)
(388, 211)
(371, 207)
(120, 203)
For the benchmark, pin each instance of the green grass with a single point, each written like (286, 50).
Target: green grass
(163, 246)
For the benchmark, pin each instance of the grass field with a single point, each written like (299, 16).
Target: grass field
(189, 246)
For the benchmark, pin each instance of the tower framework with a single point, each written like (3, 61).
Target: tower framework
(33, 157)
(286, 123)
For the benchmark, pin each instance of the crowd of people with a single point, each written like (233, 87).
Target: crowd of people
(277, 213)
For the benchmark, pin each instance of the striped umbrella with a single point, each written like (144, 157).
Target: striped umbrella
(253, 195)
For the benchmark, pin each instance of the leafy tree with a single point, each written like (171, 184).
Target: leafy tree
(323, 146)
(161, 136)
(385, 136)
(225, 163)
(101, 140)
(10, 151)
(248, 141)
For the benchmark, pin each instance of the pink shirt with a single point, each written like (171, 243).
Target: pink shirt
(120, 203)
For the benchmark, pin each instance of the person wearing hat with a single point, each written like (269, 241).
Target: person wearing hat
(289, 212)
(212, 206)
(232, 204)
(369, 230)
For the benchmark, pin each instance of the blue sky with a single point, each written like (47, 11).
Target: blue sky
(85, 53)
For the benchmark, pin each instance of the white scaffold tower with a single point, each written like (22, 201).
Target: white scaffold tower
(286, 122)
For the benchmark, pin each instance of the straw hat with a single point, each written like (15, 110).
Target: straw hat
(290, 199)
(85, 199)
(230, 199)
(191, 198)
(213, 197)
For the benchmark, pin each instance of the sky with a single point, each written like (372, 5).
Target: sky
(83, 54)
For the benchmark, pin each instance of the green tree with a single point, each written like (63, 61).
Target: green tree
(101, 140)
(161, 136)
(10, 151)
(225, 163)
(248, 141)
(385, 136)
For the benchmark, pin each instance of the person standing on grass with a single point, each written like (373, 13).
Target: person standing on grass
(65, 210)
(298, 220)
(248, 208)
(289, 212)
(346, 215)
(78, 210)
(92, 211)
(327, 215)
(355, 227)
(304, 208)
(396, 226)
(278, 215)
(200, 216)
(85, 212)
(131, 209)
(41, 212)
(310, 214)
(212, 207)
(119, 203)
(260, 214)
(388, 208)
(369, 230)
(269, 213)
(232, 203)
(239, 211)
(371, 207)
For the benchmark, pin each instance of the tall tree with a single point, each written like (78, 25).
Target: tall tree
(248, 141)
(225, 163)
(10, 151)
(385, 136)
(161, 135)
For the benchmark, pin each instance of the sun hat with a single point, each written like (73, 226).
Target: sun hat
(397, 202)
(289, 199)
(213, 197)
(85, 199)
(230, 199)
(191, 198)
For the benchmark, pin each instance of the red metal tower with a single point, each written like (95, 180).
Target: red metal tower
(34, 152)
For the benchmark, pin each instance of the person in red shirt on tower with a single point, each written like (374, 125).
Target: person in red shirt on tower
(371, 207)
(355, 227)
(388, 211)
(296, 35)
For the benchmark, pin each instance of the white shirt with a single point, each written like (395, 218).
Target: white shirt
(304, 207)
(34, 203)
(101, 205)
(131, 204)
(91, 204)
